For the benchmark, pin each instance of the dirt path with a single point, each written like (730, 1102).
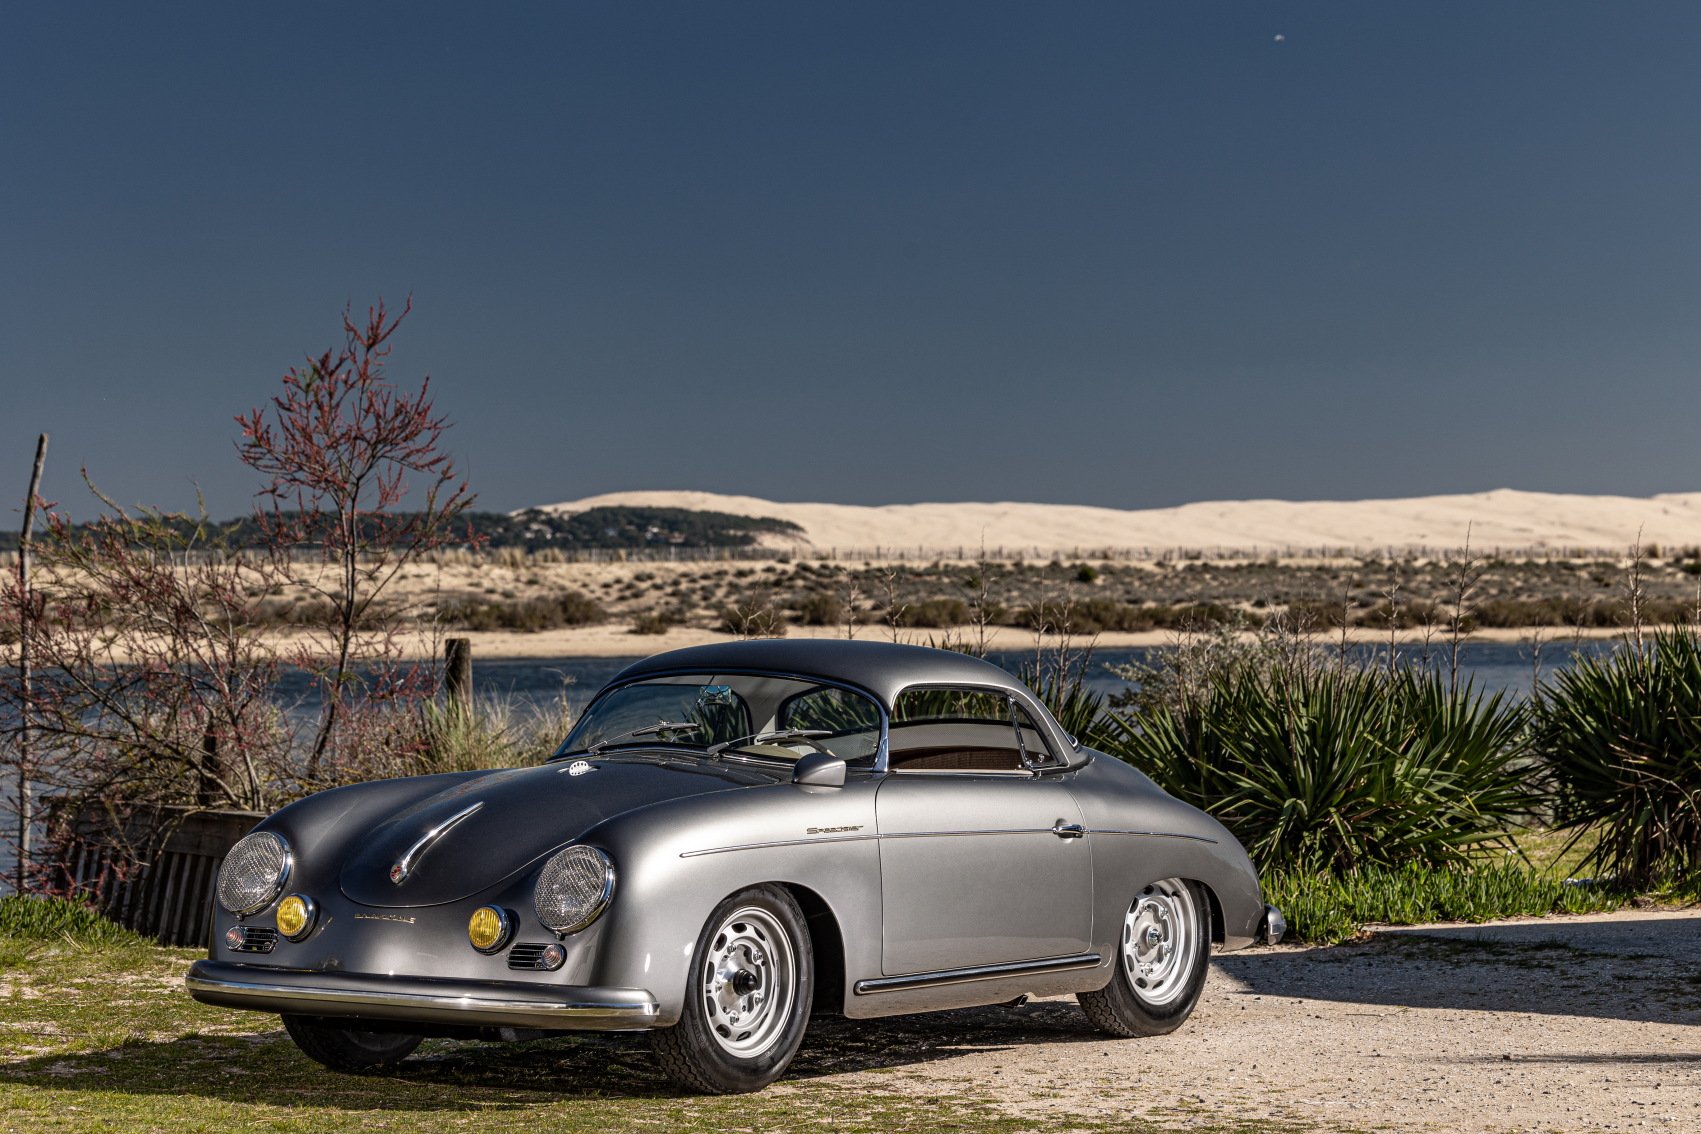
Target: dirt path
(1555, 1025)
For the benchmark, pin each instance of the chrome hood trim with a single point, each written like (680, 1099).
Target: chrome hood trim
(405, 864)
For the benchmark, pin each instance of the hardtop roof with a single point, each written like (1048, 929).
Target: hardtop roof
(882, 668)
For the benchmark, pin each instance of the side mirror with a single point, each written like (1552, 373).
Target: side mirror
(819, 769)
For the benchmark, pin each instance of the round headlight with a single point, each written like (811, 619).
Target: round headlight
(253, 873)
(574, 889)
(295, 916)
(487, 929)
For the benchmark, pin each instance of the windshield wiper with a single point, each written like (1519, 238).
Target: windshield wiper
(764, 737)
(647, 730)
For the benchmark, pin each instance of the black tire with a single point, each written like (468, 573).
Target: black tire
(348, 1050)
(703, 1051)
(1125, 1009)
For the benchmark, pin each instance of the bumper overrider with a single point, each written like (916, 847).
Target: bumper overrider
(1272, 927)
(422, 999)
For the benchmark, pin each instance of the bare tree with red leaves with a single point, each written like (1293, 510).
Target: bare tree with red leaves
(156, 684)
(343, 450)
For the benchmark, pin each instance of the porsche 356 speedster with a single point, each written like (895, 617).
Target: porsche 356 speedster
(731, 838)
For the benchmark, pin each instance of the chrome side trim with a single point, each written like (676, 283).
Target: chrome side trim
(405, 864)
(982, 972)
(931, 835)
(1153, 834)
(779, 843)
(550, 1007)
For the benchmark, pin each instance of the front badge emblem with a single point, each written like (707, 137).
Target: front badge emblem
(397, 873)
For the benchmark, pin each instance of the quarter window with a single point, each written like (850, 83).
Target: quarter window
(956, 729)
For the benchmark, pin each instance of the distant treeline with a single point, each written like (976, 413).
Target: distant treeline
(533, 529)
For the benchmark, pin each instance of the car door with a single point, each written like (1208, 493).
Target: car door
(980, 864)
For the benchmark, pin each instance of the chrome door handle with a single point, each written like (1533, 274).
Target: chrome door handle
(1068, 830)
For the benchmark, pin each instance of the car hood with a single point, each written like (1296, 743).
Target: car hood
(478, 832)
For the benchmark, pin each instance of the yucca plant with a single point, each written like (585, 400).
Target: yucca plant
(1061, 686)
(1621, 739)
(1331, 768)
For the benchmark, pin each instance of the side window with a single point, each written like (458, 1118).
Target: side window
(851, 721)
(942, 729)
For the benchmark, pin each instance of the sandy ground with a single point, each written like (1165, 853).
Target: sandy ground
(1558, 1024)
(1504, 518)
(614, 640)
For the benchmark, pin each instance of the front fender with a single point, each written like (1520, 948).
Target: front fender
(676, 861)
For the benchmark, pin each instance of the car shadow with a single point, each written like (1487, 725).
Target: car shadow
(1645, 970)
(1638, 970)
(445, 1075)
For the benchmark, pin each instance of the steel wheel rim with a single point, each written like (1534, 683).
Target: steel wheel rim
(1161, 941)
(749, 982)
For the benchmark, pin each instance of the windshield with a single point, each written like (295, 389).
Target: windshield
(753, 716)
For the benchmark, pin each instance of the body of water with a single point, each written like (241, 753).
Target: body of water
(1492, 666)
(527, 682)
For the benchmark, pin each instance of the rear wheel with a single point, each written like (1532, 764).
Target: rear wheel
(747, 1003)
(1161, 962)
(348, 1049)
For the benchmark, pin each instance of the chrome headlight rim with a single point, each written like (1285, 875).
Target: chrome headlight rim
(598, 907)
(285, 869)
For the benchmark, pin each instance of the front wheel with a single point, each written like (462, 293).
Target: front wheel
(1160, 963)
(747, 1003)
(346, 1049)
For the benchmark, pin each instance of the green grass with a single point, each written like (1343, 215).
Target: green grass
(1327, 908)
(97, 1034)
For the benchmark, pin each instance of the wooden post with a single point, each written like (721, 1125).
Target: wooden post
(457, 673)
(26, 811)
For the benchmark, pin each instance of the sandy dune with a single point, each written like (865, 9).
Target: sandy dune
(1504, 518)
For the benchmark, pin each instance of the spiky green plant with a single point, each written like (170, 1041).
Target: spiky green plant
(1061, 686)
(1329, 768)
(1621, 737)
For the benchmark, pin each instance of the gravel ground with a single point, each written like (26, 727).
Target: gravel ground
(1574, 1024)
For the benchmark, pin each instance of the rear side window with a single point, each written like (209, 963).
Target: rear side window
(951, 729)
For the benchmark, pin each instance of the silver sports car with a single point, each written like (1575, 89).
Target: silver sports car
(734, 837)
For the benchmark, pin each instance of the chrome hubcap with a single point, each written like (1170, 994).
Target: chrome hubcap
(749, 982)
(1161, 941)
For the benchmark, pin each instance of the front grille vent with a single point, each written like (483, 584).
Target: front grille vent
(529, 955)
(256, 939)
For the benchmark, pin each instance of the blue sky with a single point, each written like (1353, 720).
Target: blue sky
(1121, 254)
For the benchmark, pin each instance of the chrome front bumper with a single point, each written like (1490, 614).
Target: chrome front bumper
(364, 995)
(1272, 927)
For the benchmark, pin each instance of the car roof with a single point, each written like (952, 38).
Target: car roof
(882, 668)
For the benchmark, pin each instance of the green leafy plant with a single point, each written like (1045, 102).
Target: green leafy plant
(1329, 767)
(1621, 739)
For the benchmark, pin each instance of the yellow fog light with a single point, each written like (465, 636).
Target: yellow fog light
(487, 929)
(296, 914)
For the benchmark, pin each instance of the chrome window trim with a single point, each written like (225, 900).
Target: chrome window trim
(1049, 730)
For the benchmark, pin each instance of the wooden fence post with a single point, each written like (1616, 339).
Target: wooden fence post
(457, 674)
(26, 811)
